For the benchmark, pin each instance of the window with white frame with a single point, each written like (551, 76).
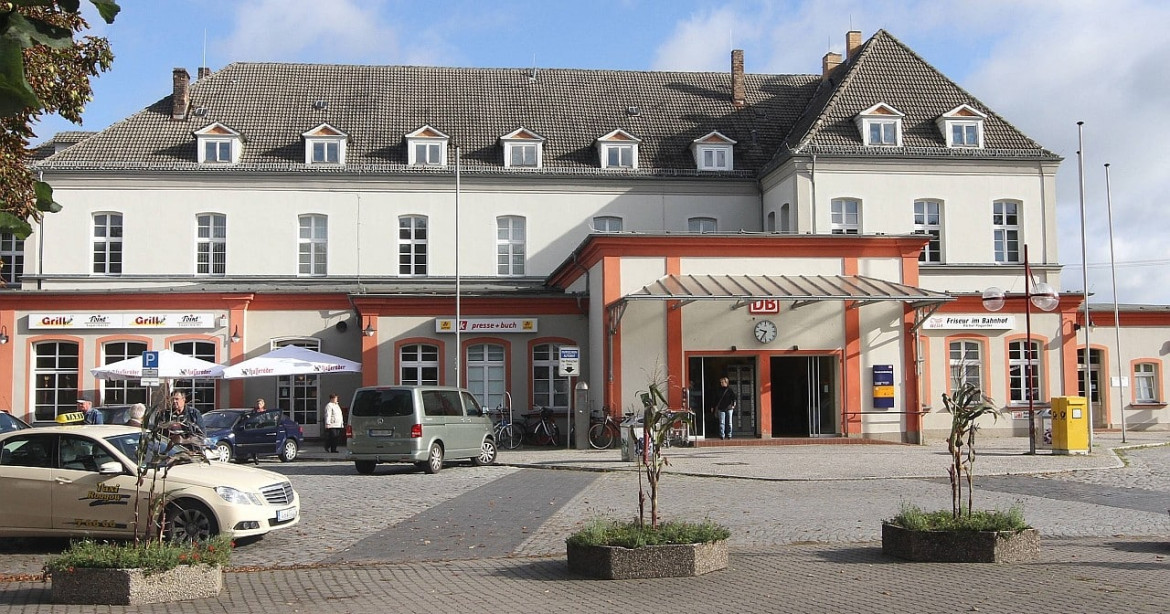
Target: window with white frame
(486, 373)
(312, 245)
(218, 144)
(618, 149)
(966, 363)
(200, 392)
(962, 127)
(412, 245)
(325, 152)
(217, 151)
(211, 244)
(549, 389)
(299, 396)
(418, 365)
(1005, 228)
(510, 246)
(880, 126)
(55, 383)
(714, 152)
(522, 149)
(125, 391)
(426, 147)
(1024, 371)
(845, 216)
(324, 145)
(701, 225)
(928, 221)
(607, 223)
(11, 260)
(107, 243)
(1146, 378)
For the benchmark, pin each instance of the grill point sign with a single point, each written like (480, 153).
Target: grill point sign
(151, 320)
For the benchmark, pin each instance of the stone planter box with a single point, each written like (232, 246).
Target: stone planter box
(961, 546)
(665, 561)
(135, 586)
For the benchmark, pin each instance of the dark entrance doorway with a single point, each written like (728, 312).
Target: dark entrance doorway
(703, 388)
(804, 396)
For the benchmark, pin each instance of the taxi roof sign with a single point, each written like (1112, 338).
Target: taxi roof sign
(72, 417)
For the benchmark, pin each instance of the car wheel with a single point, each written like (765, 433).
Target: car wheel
(365, 467)
(288, 451)
(487, 454)
(434, 459)
(189, 521)
(223, 452)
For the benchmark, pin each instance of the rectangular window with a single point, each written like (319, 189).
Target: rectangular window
(549, 389)
(412, 245)
(607, 223)
(1145, 383)
(211, 244)
(1005, 224)
(428, 154)
(966, 364)
(485, 374)
(326, 152)
(619, 156)
(217, 152)
(510, 246)
(312, 244)
(964, 135)
(701, 225)
(11, 260)
(523, 154)
(883, 133)
(55, 378)
(1023, 372)
(418, 365)
(845, 216)
(928, 221)
(107, 243)
(714, 159)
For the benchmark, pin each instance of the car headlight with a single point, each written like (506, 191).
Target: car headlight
(235, 495)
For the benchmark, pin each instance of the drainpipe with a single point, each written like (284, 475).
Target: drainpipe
(812, 180)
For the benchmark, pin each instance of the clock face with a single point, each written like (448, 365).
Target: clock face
(765, 331)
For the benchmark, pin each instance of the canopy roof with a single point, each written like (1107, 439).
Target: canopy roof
(799, 288)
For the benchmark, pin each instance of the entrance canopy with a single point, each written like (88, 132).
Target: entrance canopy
(802, 289)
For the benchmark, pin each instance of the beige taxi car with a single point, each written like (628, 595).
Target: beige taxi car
(81, 481)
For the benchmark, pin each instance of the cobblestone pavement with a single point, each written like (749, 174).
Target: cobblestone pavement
(501, 529)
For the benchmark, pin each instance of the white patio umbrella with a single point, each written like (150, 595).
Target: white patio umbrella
(291, 360)
(171, 365)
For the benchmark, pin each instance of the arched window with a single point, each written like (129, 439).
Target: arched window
(549, 389)
(55, 379)
(200, 392)
(486, 372)
(412, 245)
(123, 392)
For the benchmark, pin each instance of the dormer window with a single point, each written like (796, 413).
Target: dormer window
(962, 127)
(523, 149)
(713, 152)
(325, 145)
(218, 144)
(880, 126)
(426, 147)
(618, 149)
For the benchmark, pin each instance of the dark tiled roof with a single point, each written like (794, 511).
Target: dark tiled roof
(272, 104)
(60, 141)
(886, 70)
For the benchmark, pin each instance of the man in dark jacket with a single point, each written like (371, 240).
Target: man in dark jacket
(726, 407)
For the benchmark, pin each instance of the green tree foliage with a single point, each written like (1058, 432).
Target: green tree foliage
(43, 69)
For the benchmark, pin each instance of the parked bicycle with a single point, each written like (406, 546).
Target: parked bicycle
(604, 433)
(541, 428)
(508, 435)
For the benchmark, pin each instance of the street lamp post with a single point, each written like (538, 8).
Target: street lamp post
(1043, 296)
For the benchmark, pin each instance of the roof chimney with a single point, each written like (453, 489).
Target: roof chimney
(181, 98)
(204, 72)
(738, 90)
(830, 62)
(852, 43)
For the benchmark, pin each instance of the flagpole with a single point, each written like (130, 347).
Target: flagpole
(1116, 316)
(1088, 363)
(458, 306)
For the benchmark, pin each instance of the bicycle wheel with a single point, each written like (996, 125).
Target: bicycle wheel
(510, 436)
(544, 434)
(600, 436)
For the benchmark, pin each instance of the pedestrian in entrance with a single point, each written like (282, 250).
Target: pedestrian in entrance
(726, 407)
(334, 424)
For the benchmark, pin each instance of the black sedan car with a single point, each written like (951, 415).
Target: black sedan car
(241, 434)
(8, 422)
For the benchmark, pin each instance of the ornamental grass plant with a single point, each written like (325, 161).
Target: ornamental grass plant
(151, 556)
(913, 518)
(635, 534)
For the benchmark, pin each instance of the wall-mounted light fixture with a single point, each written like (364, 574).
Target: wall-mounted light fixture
(236, 334)
(369, 330)
(3, 335)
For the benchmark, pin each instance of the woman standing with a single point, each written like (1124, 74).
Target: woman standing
(334, 424)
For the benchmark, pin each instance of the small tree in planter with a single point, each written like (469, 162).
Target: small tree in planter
(961, 535)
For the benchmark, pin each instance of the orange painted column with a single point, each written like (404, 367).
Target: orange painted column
(912, 401)
(7, 351)
(764, 377)
(370, 349)
(611, 292)
(675, 362)
(851, 378)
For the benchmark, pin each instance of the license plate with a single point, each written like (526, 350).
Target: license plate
(286, 514)
(381, 432)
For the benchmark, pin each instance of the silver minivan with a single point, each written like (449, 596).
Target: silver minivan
(424, 425)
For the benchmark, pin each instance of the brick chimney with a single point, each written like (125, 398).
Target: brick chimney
(830, 62)
(852, 44)
(204, 72)
(181, 98)
(738, 89)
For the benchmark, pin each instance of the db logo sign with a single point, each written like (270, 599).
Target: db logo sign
(765, 306)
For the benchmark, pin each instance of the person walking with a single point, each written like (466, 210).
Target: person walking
(334, 424)
(183, 412)
(726, 407)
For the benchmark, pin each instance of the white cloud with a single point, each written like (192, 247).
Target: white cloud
(309, 30)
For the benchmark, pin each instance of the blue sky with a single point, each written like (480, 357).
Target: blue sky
(1042, 64)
